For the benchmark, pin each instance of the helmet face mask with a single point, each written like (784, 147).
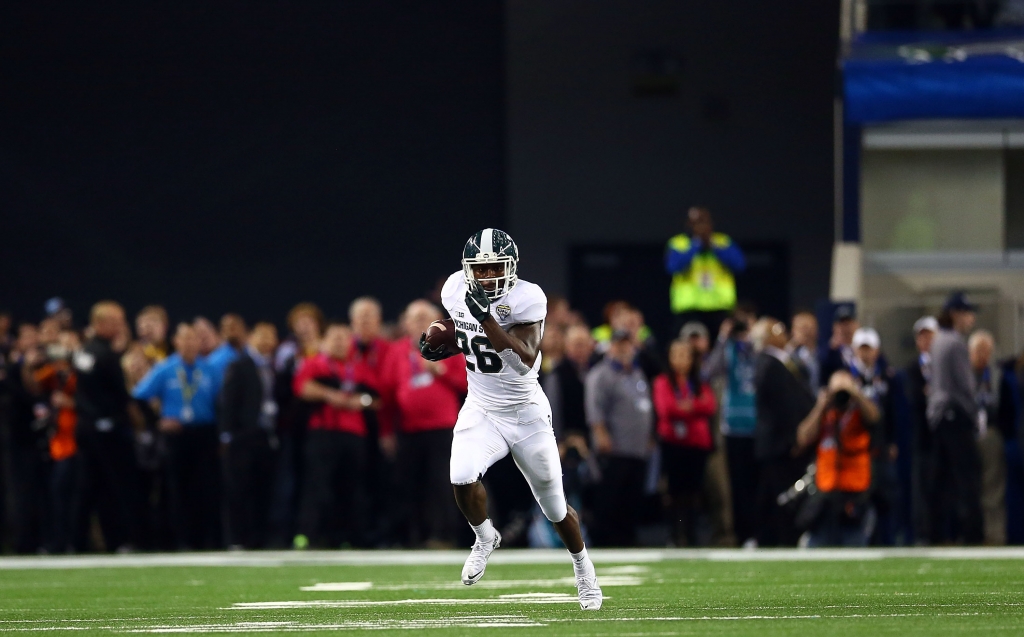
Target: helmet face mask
(492, 247)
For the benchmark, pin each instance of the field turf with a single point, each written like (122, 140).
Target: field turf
(523, 593)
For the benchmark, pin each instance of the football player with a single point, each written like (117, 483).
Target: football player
(499, 321)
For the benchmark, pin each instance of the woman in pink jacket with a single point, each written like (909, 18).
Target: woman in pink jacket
(684, 404)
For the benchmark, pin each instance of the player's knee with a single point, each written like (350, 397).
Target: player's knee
(462, 472)
(546, 467)
(554, 507)
(550, 496)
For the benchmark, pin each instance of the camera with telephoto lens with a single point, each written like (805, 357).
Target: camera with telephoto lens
(805, 486)
(841, 399)
(738, 329)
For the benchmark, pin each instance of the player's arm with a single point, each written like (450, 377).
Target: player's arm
(518, 347)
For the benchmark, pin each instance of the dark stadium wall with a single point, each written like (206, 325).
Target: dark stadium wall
(238, 156)
(623, 114)
(230, 156)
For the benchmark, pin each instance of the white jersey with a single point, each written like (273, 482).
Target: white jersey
(492, 383)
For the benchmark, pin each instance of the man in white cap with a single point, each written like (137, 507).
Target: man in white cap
(868, 365)
(917, 376)
(876, 381)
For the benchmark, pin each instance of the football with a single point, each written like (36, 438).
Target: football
(442, 333)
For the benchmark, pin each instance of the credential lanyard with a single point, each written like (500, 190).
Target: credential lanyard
(348, 378)
(188, 392)
(678, 391)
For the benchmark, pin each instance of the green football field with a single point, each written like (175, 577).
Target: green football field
(912, 592)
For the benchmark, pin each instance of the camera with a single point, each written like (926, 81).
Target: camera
(841, 399)
(738, 329)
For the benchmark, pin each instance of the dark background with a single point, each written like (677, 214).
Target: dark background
(247, 156)
(622, 114)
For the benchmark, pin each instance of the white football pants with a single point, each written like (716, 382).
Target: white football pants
(484, 435)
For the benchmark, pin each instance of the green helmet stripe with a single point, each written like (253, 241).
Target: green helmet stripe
(491, 245)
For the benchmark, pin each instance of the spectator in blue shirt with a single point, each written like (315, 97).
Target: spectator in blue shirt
(234, 332)
(734, 360)
(186, 388)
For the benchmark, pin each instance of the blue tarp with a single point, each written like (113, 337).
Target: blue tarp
(950, 76)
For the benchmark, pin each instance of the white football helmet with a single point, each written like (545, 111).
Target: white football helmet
(491, 245)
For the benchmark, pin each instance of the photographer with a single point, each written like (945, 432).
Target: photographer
(876, 380)
(839, 426)
(53, 383)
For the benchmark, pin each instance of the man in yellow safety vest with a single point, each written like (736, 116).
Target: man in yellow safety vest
(702, 265)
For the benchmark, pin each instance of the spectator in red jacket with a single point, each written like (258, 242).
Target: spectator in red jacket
(369, 353)
(684, 404)
(426, 397)
(335, 450)
(370, 349)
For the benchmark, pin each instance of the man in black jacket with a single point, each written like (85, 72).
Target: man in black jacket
(248, 414)
(839, 354)
(28, 455)
(105, 433)
(783, 401)
(564, 385)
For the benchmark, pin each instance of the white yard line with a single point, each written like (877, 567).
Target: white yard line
(496, 621)
(508, 621)
(503, 556)
(332, 587)
(607, 581)
(469, 621)
(526, 598)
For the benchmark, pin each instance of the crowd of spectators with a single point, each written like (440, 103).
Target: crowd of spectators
(196, 436)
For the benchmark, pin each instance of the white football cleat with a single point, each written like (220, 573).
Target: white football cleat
(476, 563)
(589, 590)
